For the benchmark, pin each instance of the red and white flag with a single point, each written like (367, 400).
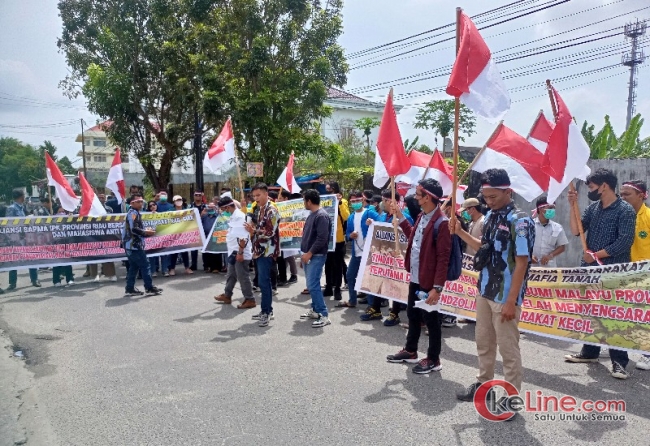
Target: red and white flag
(67, 197)
(287, 181)
(460, 194)
(438, 170)
(540, 133)
(567, 154)
(523, 162)
(475, 78)
(90, 204)
(115, 180)
(390, 158)
(222, 151)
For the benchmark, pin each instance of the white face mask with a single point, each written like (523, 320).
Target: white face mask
(178, 202)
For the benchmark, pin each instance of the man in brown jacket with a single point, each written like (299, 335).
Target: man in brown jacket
(427, 259)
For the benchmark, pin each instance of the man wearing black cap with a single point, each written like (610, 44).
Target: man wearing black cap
(200, 205)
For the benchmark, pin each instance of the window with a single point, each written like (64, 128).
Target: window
(99, 158)
(99, 142)
(87, 141)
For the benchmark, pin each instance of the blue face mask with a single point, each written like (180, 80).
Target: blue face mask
(163, 198)
(466, 215)
(549, 213)
(226, 214)
(211, 212)
(356, 206)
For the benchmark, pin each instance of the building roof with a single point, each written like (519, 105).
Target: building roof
(348, 100)
(335, 93)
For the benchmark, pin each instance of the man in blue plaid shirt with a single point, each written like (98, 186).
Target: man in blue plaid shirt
(609, 225)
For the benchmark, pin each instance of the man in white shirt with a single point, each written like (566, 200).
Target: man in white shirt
(550, 238)
(240, 254)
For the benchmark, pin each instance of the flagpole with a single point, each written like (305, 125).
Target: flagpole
(456, 129)
(574, 207)
(241, 187)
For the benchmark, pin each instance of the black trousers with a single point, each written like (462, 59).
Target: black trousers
(212, 261)
(282, 268)
(416, 317)
(334, 266)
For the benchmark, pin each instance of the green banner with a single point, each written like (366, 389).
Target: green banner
(600, 305)
(32, 242)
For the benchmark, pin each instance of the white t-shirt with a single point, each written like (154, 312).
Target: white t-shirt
(236, 231)
(359, 242)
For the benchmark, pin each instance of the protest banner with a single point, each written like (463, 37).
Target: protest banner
(293, 216)
(255, 170)
(32, 242)
(601, 305)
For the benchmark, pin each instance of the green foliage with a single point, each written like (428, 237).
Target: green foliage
(462, 165)
(367, 124)
(606, 145)
(152, 66)
(439, 116)
(66, 166)
(20, 164)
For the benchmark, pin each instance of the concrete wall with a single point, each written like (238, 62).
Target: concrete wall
(625, 170)
(347, 117)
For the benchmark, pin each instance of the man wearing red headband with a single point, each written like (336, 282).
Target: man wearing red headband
(427, 259)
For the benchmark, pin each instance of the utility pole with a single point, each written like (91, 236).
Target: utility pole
(198, 154)
(635, 57)
(83, 146)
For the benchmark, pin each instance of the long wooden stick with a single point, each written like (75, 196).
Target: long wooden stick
(456, 130)
(574, 207)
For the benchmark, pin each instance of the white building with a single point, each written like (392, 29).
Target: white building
(347, 108)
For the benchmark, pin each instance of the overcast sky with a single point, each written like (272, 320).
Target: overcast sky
(31, 67)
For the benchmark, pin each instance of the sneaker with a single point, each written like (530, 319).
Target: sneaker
(362, 300)
(11, 287)
(248, 303)
(426, 366)
(643, 363)
(134, 292)
(275, 292)
(154, 291)
(618, 371)
(256, 289)
(282, 283)
(164, 275)
(223, 299)
(337, 294)
(449, 321)
(321, 321)
(263, 320)
(113, 278)
(259, 315)
(392, 320)
(371, 315)
(579, 358)
(172, 272)
(58, 284)
(311, 314)
(292, 279)
(468, 394)
(97, 279)
(345, 287)
(71, 283)
(154, 275)
(36, 284)
(403, 356)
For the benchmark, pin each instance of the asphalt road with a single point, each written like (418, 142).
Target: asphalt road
(179, 369)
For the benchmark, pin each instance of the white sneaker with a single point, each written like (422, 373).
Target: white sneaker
(71, 283)
(275, 292)
(643, 363)
(321, 321)
(113, 279)
(97, 279)
(311, 314)
(58, 284)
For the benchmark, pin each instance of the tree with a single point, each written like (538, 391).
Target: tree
(66, 166)
(605, 144)
(366, 125)
(135, 63)
(439, 116)
(19, 166)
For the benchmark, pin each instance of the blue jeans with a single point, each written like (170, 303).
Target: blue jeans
(313, 274)
(13, 276)
(353, 270)
(153, 264)
(593, 351)
(264, 265)
(138, 262)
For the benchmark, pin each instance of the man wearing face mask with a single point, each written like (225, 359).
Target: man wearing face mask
(550, 239)
(472, 213)
(609, 225)
(163, 204)
(201, 206)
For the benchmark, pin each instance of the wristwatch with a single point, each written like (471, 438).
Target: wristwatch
(438, 288)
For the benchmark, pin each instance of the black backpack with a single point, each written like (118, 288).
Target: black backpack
(455, 255)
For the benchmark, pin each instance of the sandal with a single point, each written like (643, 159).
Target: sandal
(346, 305)
(305, 291)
